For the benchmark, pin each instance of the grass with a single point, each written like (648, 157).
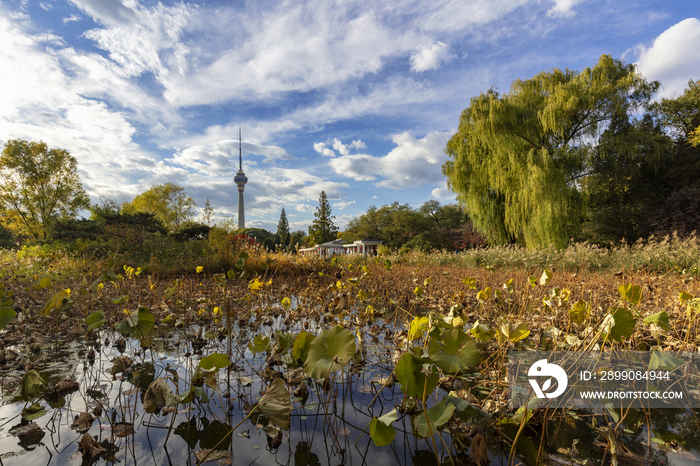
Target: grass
(658, 256)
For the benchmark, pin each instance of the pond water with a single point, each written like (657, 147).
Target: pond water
(326, 428)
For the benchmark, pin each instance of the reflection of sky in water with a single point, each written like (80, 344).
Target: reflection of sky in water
(309, 442)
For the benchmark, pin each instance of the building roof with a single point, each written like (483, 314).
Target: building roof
(330, 244)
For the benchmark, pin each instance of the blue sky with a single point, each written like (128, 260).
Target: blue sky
(357, 98)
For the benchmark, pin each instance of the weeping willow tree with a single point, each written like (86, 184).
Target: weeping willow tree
(517, 158)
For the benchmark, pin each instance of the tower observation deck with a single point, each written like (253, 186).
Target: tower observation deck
(240, 179)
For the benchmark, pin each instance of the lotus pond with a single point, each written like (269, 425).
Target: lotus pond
(335, 364)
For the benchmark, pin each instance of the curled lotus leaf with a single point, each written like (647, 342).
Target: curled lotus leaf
(159, 395)
(277, 405)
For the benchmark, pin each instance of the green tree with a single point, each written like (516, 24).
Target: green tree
(296, 238)
(207, 212)
(260, 235)
(679, 176)
(168, 202)
(39, 186)
(627, 180)
(283, 230)
(368, 225)
(395, 224)
(322, 229)
(681, 114)
(681, 118)
(444, 216)
(517, 159)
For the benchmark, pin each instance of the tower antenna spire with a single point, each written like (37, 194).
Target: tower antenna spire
(240, 179)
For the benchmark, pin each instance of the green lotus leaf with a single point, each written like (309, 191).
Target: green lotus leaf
(438, 415)
(95, 320)
(414, 382)
(482, 332)
(6, 315)
(331, 350)
(214, 360)
(660, 319)
(454, 351)
(631, 293)
(381, 433)
(138, 324)
(32, 412)
(300, 350)
(663, 361)
(618, 325)
(259, 344)
(31, 387)
(580, 312)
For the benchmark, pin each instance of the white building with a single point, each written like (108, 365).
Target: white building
(367, 246)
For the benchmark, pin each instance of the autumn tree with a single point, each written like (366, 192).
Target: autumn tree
(168, 202)
(39, 186)
(322, 229)
(518, 158)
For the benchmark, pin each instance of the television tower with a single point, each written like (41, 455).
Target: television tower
(240, 180)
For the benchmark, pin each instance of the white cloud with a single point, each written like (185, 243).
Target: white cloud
(344, 149)
(443, 193)
(292, 48)
(673, 58)
(72, 18)
(430, 57)
(46, 6)
(321, 148)
(49, 104)
(411, 164)
(221, 157)
(304, 207)
(149, 41)
(359, 167)
(340, 147)
(106, 11)
(563, 9)
(343, 204)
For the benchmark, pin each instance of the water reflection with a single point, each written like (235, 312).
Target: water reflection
(328, 420)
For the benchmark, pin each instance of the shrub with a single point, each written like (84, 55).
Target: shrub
(188, 231)
(7, 239)
(69, 230)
